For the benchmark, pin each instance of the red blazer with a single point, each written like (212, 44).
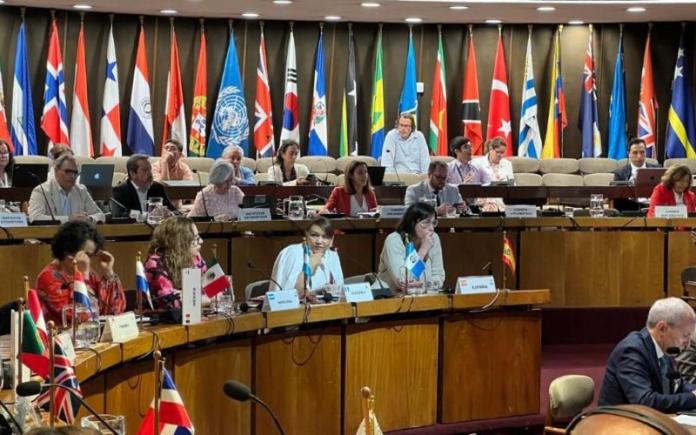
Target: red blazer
(661, 195)
(339, 200)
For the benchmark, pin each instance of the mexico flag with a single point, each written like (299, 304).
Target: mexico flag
(214, 279)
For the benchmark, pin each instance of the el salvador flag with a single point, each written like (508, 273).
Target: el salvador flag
(23, 126)
(230, 120)
(317, 132)
(414, 264)
(141, 282)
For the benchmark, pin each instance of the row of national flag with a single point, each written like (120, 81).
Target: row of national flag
(230, 124)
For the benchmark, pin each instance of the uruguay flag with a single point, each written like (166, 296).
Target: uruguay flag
(408, 103)
(141, 282)
(530, 135)
(230, 120)
(23, 127)
(681, 131)
(140, 137)
(317, 130)
(413, 262)
(618, 144)
(80, 293)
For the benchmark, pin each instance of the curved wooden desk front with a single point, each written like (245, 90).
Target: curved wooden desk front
(427, 359)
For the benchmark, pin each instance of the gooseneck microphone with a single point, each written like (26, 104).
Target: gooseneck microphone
(237, 391)
(252, 266)
(394, 164)
(32, 388)
(118, 203)
(43, 193)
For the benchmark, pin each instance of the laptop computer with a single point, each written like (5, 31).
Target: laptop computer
(649, 176)
(98, 175)
(376, 174)
(29, 174)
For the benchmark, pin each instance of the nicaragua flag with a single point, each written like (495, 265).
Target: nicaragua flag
(408, 103)
(230, 120)
(80, 293)
(317, 130)
(141, 282)
(140, 137)
(681, 131)
(618, 143)
(530, 135)
(174, 419)
(23, 127)
(413, 262)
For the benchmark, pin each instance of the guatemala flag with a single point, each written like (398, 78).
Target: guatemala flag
(140, 137)
(317, 130)
(413, 262)
(23, 127)
(408, 103)
(230, 120)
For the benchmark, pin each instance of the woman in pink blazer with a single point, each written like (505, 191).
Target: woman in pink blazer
(674, 189)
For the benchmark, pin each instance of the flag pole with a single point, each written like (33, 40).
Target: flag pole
(504, 269)
(74, 308)
(366, 393)
(20, 334)
(138, 293)
(159, 363)
(217, 303)
(51, 326)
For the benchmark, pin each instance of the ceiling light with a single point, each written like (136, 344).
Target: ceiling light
(82, 7)
(332, 18)
(414, 20)
(459, 8)
(282, 2)
(494, 21)
(168, 12)
(546, 9)
(576, 22)
(636, 9)
(370, 5)
(250, 15)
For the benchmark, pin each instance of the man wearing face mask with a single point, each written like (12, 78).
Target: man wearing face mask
(447, 196)
(405, 150)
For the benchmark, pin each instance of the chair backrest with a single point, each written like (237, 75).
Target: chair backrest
(118, 162)
(569, 395)
(33, 160)
(562, 180)
(625, 419)
(527, 179)
(84, 160)
(598, 179)
(404, 177)
(328, 177)
(688, 274)
(593, 165)
(523, 164)
(339, 179)
(624, 162)
(690, 163)
(200, 164)
(559, 166)
(263, 164)
(262, 176)
(445, 159)
(249, 163)
(343, 162)
(256, 289)
(318, 163)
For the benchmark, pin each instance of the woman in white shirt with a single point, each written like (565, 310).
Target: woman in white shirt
(6, 164)
(285, 170)
(311, 265)
(497, 169)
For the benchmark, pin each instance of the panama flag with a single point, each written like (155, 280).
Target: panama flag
(230, 121)
(263, 127)
(199, 112)
(54, 121)
(589, 116)
(499, 124)
(141, 282)
(173, 418)
(23, 126)
(175, 114)
(471, 107)
(438, 105)
(317, 126)
(530, 136)
(81, 128)
(647, 107)
(291, 113)
(140, 137)
(80, 293)
(110, 127)
(4, 129)
(408, 102)
(557, 120)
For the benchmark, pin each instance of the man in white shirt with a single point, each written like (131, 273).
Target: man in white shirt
(636, 160)
(405, 149)
(61, 198)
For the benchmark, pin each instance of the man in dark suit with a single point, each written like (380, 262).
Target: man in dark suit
(640, 370)
(636, 160)
(133, 193)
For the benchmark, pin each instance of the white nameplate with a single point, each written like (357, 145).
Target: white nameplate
(66, 343)
(467, 285)
(13, 220)
(190, 296)
(520, 211)
(254, 214)
(121, 328)
(281, 300)
(360, 292)
(392, 211)
(671, 211)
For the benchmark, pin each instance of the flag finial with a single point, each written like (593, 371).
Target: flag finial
(141, 18)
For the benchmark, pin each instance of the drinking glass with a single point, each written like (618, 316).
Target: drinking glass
(295, 207)
(156, 212)
(118, 422)
(429, 198)
(225, 302)
(596, 205)
(87, 331)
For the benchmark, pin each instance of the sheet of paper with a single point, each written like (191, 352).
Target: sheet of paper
(685, 420)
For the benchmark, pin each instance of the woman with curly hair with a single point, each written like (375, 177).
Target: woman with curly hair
(175, 245)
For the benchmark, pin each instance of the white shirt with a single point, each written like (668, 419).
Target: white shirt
(392, 259)
(634, 170)
(678, 198)
(356, 208)
(408, 155)
(658, 350)
(289, 264)
(500, 172)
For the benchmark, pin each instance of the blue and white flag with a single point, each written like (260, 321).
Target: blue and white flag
(530, 135)
(140, 136)
(306, 267)
(230, 120)
(141, 282)
(408, 103)
(23, 127)
(317, 130)
(618, 143)
(413, 262)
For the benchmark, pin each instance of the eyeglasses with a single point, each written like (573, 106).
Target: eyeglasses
(73, 172)
(425, 223)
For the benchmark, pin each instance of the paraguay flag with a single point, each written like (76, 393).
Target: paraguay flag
(140, 137)
(230, 121)
(23, 126)
(291, 113)
(413, 262)
(174, 419)
(318, 123)
(141, 282)
(54, 121)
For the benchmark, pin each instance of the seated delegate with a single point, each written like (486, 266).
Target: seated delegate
(355, 196)
(132, 194)
(243, 176)
(286, 170)
(674, 189)
(6, 164)
(447, 197)
(221, 198)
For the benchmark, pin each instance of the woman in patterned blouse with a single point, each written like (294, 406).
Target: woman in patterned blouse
(220, 199)
(78, 244)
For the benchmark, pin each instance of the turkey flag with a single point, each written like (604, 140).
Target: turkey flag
(499, 105)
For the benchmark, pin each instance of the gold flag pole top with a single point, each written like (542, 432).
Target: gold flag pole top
(366, 398)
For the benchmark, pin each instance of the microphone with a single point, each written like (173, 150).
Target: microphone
(31, 388)
(383, 292)
(237, 391)
(43, 193)
(488, 268)
(252, 266)
(205, 207)
(394, 165)
(118, 203)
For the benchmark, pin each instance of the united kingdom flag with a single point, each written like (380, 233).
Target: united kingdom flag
(66, 405)
(54, 121)
(174, 419)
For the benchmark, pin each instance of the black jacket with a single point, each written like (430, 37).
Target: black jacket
(624, 172)
(126, 196)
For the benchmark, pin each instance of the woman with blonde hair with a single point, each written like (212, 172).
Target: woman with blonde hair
(175, 245)
(674, 189)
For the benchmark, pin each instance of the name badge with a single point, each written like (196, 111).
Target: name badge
(13, 220)
(190, 296)
(671, 211)
(121, 328)
(360, 292)
(520, 211)
(66, 343)
(468, 285)
(281, 300)
(254, 214)
(392, 211)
